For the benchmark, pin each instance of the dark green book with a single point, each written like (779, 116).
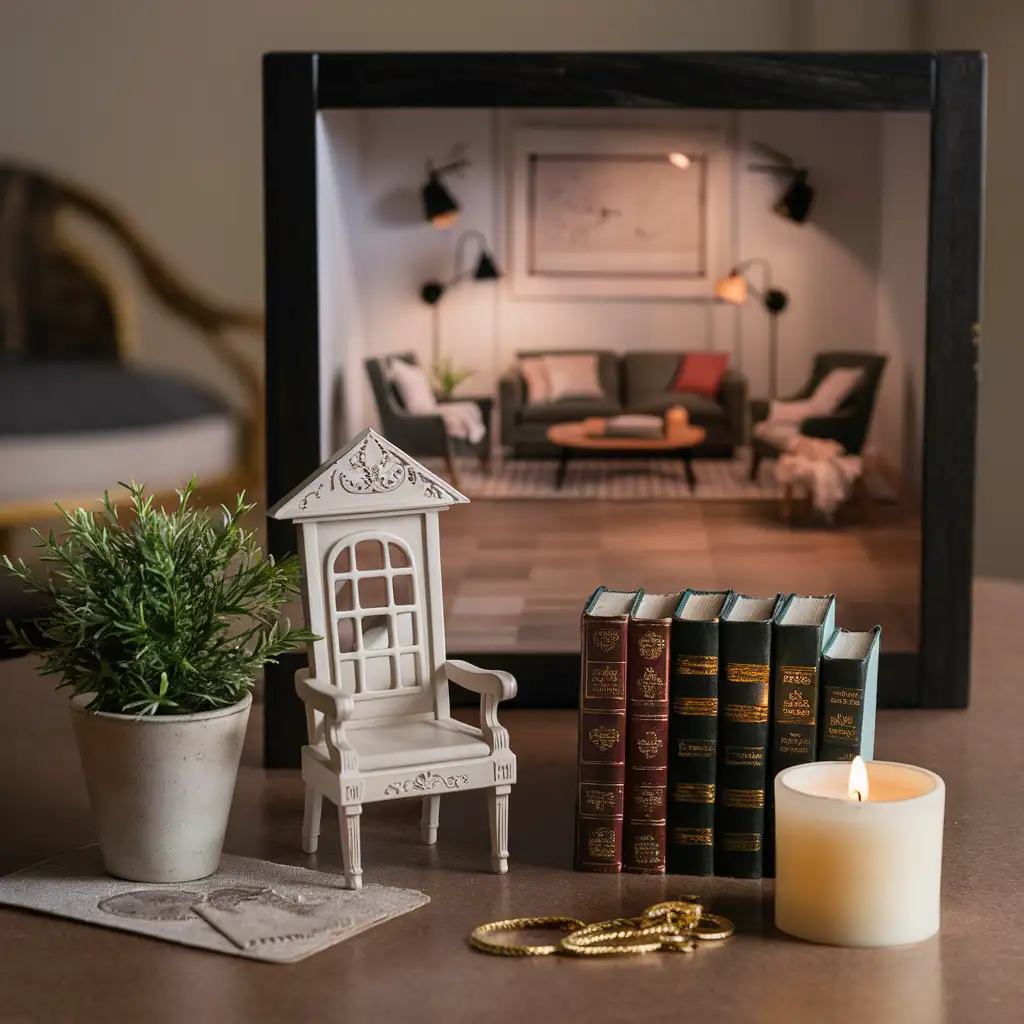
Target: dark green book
(802, 628)
(849, 694)
(693, 732)
(744, 660)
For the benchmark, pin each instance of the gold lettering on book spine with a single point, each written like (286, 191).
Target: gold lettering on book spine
(694, 793)
(651, 644)
(695, 748)
(749, 799)
(604, 737)
(697, 665)
(799, 675)
(746, 712)
(605, 640)
(750, 756)
(599, 800)
(646, 850)
(740, 842)
(605, 681)
(692, 836)
(648, 798)
(701, 707)
(649, 744)
(737, 672)
(601, 843)
(650, 685)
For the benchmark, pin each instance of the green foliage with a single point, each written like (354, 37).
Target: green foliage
(447, 378)
(170, 614)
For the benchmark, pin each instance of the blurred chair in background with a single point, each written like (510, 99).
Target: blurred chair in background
(77, 413)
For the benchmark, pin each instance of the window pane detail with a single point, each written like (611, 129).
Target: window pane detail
(369, 555)
(373, 594)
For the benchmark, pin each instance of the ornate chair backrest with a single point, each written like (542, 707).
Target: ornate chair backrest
(378, 641)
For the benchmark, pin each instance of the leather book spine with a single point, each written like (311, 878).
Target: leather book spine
(693, 739)
(647, 672)
(743, 686)
(848, 696)
(796, 654)
(602, 744)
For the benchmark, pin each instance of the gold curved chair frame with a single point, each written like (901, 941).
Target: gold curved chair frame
(214, 323)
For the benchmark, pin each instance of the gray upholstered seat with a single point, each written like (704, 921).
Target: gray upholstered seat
(75, 428)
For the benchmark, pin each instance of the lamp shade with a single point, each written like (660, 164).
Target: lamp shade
(439, 206)
(486, 269)
(732, 289)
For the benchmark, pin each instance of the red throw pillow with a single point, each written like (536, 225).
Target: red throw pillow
(701, 372)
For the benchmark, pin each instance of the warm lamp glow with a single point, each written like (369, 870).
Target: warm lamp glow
(858, 787)
(680, 160)
(732, 289)
(445, 220)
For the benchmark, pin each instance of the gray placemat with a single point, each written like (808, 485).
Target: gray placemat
(249, 908)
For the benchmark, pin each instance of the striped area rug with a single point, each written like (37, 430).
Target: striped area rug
(611, 479)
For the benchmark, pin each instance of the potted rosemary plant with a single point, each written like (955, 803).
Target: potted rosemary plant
(159, 626)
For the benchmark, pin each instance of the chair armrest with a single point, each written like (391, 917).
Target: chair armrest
(732, 397)
(336, 708)
(759, 410)
(493, 688)
(484, 681)
(511, 399)
(324, 697)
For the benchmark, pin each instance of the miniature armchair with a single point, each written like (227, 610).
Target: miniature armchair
(379, 724)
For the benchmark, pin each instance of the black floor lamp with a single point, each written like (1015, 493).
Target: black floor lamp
(485, 269)
(736, 287)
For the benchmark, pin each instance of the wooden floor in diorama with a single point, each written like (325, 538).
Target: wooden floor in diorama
(516, 574)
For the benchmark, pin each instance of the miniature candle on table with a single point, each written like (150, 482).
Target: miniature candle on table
(858, 857)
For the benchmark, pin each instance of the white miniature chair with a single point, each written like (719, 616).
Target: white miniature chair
(376, 693)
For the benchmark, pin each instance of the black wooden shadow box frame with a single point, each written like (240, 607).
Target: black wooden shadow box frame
(948, 86)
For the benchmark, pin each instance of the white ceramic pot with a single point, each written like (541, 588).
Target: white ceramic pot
(160, 787)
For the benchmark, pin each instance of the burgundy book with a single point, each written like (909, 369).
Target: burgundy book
(602, 730)
(647, 672)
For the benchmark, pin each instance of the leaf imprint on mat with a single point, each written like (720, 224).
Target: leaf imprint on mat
(152, 904)
(234, 897)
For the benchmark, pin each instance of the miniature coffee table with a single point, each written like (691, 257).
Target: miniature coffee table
(576, 439)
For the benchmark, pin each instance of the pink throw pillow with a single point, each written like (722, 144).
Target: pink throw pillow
(701, 373)
(538, 387)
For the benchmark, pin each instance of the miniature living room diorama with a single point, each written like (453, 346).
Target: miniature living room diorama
(646, 345)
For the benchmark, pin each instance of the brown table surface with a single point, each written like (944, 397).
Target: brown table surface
(418, 967)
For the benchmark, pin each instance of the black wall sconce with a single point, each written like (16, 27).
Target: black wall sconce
(796, 201)
(439, 205)
(485, 269)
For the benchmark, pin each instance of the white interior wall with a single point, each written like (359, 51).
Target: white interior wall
(833, 267)
(897, 430)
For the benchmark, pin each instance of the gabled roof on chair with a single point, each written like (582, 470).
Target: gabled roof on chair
(368, 475)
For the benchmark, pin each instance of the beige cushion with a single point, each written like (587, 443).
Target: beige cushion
(538, 387)
(573, 376)
(413, 387)
(834, 389)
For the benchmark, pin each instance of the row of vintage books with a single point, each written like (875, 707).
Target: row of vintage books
(691, 704)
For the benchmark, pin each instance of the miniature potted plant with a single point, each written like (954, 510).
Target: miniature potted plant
(447, 378)
(158, 628)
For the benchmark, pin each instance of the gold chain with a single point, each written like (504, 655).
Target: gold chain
(517, 924)
(671, 926)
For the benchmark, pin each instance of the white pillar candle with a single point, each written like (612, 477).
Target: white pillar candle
(861, 871)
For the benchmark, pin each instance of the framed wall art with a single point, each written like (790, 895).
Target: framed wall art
(617, 212)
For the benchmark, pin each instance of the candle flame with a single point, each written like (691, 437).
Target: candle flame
(858, 780)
